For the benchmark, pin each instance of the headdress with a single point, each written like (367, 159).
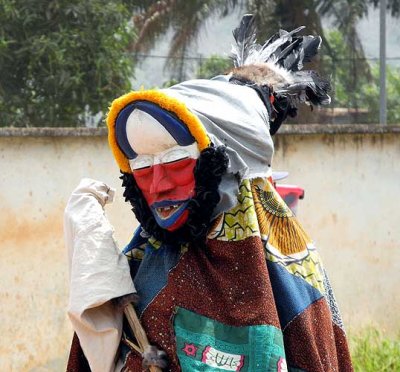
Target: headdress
(274, 69)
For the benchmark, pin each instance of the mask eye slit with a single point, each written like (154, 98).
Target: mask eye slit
(141, 162)
(174, 155)
(176, 160)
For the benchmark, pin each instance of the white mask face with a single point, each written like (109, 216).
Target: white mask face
(163, 169)
(153, 136)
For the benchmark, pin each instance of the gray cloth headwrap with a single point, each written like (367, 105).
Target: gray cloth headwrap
(234, 116)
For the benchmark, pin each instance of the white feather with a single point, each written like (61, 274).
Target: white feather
(264, 54)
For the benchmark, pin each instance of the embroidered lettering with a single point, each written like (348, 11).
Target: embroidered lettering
(222, 360)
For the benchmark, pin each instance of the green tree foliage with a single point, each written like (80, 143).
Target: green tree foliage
(363, 92)
(370, 95)
(213, 66)
(61, 60)
(338, 64)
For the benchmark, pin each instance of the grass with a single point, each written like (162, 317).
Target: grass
(372, 352)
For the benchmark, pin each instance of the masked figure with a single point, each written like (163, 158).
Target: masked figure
(225, 277)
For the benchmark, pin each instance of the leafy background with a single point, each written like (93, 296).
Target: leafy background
(62, 62)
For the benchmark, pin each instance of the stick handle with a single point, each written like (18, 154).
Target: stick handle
(139, 332)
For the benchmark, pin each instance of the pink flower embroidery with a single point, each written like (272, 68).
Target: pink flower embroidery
(190, 350)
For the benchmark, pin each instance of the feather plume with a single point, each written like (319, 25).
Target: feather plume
(278, 64)
(310, 45)
(307, 87)
(245, 37)
(270, 53)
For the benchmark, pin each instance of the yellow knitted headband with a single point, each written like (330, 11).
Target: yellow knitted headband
(192, 122)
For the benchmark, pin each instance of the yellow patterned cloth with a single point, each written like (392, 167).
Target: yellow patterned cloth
(262, 212)
(241, 221)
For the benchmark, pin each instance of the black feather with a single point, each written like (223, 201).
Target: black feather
(307, 86)
(289, 57)
(310, 45)
(271, 50)
(298, 52)
(245, 37)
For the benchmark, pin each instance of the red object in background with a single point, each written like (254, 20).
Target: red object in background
(290, 194)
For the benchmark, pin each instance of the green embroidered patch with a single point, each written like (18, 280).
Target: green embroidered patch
(203, 344)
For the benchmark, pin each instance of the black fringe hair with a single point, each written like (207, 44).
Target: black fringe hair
(210, 167)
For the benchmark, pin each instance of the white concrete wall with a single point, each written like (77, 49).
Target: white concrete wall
(352, 211)
(351, 208)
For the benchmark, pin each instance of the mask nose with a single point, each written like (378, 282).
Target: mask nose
(161, 182)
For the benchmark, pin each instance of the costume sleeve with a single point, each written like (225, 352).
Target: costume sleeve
(99, 272)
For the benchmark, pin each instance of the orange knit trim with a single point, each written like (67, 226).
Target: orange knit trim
(193, 123)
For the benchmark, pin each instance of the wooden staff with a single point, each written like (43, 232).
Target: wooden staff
(139, 332)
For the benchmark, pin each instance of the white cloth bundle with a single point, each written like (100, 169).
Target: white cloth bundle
(99, 272)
